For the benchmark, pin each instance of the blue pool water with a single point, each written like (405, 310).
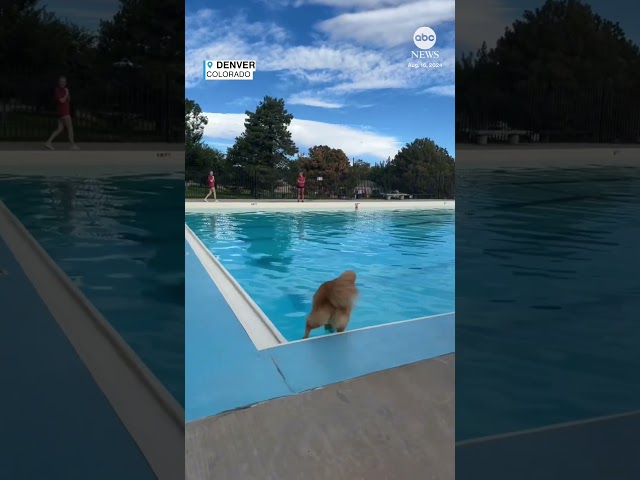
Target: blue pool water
(404, 261)
(120, 240)
(547, 295)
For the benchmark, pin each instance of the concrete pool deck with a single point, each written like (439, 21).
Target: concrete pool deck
(545, 155)
(392, 425)
(33, 158)
(84, 420)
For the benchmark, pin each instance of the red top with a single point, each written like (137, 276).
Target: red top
(62, 108)
(301, 181)
(212, 181)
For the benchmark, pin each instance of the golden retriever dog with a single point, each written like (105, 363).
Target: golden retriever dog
(332, 303)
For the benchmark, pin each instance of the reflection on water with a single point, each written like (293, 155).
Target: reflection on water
(547, 296)
(120, 240)
(404, 260)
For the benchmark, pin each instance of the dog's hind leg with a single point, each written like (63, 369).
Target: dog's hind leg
(317, 318)
(340, 319)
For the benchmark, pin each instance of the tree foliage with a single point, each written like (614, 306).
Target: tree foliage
(149, 33)
(266, 141)
(323, 161)
(332, 164)
(198, 155)
(555, 61)
(420, 166)
(36, 41)
(561, 44)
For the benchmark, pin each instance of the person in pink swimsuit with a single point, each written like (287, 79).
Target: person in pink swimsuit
(211, 181)
(63, 112)
(301, 182)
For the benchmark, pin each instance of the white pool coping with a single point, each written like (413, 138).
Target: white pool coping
(259, 328)
(145, 407)
(372, 327)
(317, 205)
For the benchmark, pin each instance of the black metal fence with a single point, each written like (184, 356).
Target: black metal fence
(604, 115)
(273, 184)
(117, 107)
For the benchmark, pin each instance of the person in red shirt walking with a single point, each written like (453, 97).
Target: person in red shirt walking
(63, 111)
(211, 181)
(301, 181)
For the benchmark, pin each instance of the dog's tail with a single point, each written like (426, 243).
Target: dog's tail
(344, 291)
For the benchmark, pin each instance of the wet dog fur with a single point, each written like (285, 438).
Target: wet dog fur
(332, 303)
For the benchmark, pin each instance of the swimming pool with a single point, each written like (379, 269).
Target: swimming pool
(113, 236)
(547, 291)
(404, 260)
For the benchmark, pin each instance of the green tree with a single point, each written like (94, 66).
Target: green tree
(419, 168)
(564, 43)
(332, 164)
(423, 167)
(38, 48)
(266, 141)
(561, 44)
(150, 33)
(204, 158)
(546, 66)
(199, 156)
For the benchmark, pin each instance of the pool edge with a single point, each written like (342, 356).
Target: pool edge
(195, 206)
(255, 322)
(136, 396)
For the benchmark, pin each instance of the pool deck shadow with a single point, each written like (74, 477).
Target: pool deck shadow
(397, 424)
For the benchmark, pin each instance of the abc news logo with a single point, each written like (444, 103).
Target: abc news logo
(425, 38)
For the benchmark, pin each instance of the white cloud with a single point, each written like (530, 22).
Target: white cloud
(301, 99)
(444, 90)
(341, 4)
(244, 101)
(354, 141)
(348, 4)
(334, 68)
(225, 126)
(389, 26)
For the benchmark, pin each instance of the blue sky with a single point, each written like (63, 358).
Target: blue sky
(486, 20)
(341, 67)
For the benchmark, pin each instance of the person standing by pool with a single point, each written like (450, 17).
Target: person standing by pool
(63, 111)
(211, 181)
(301, 182)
